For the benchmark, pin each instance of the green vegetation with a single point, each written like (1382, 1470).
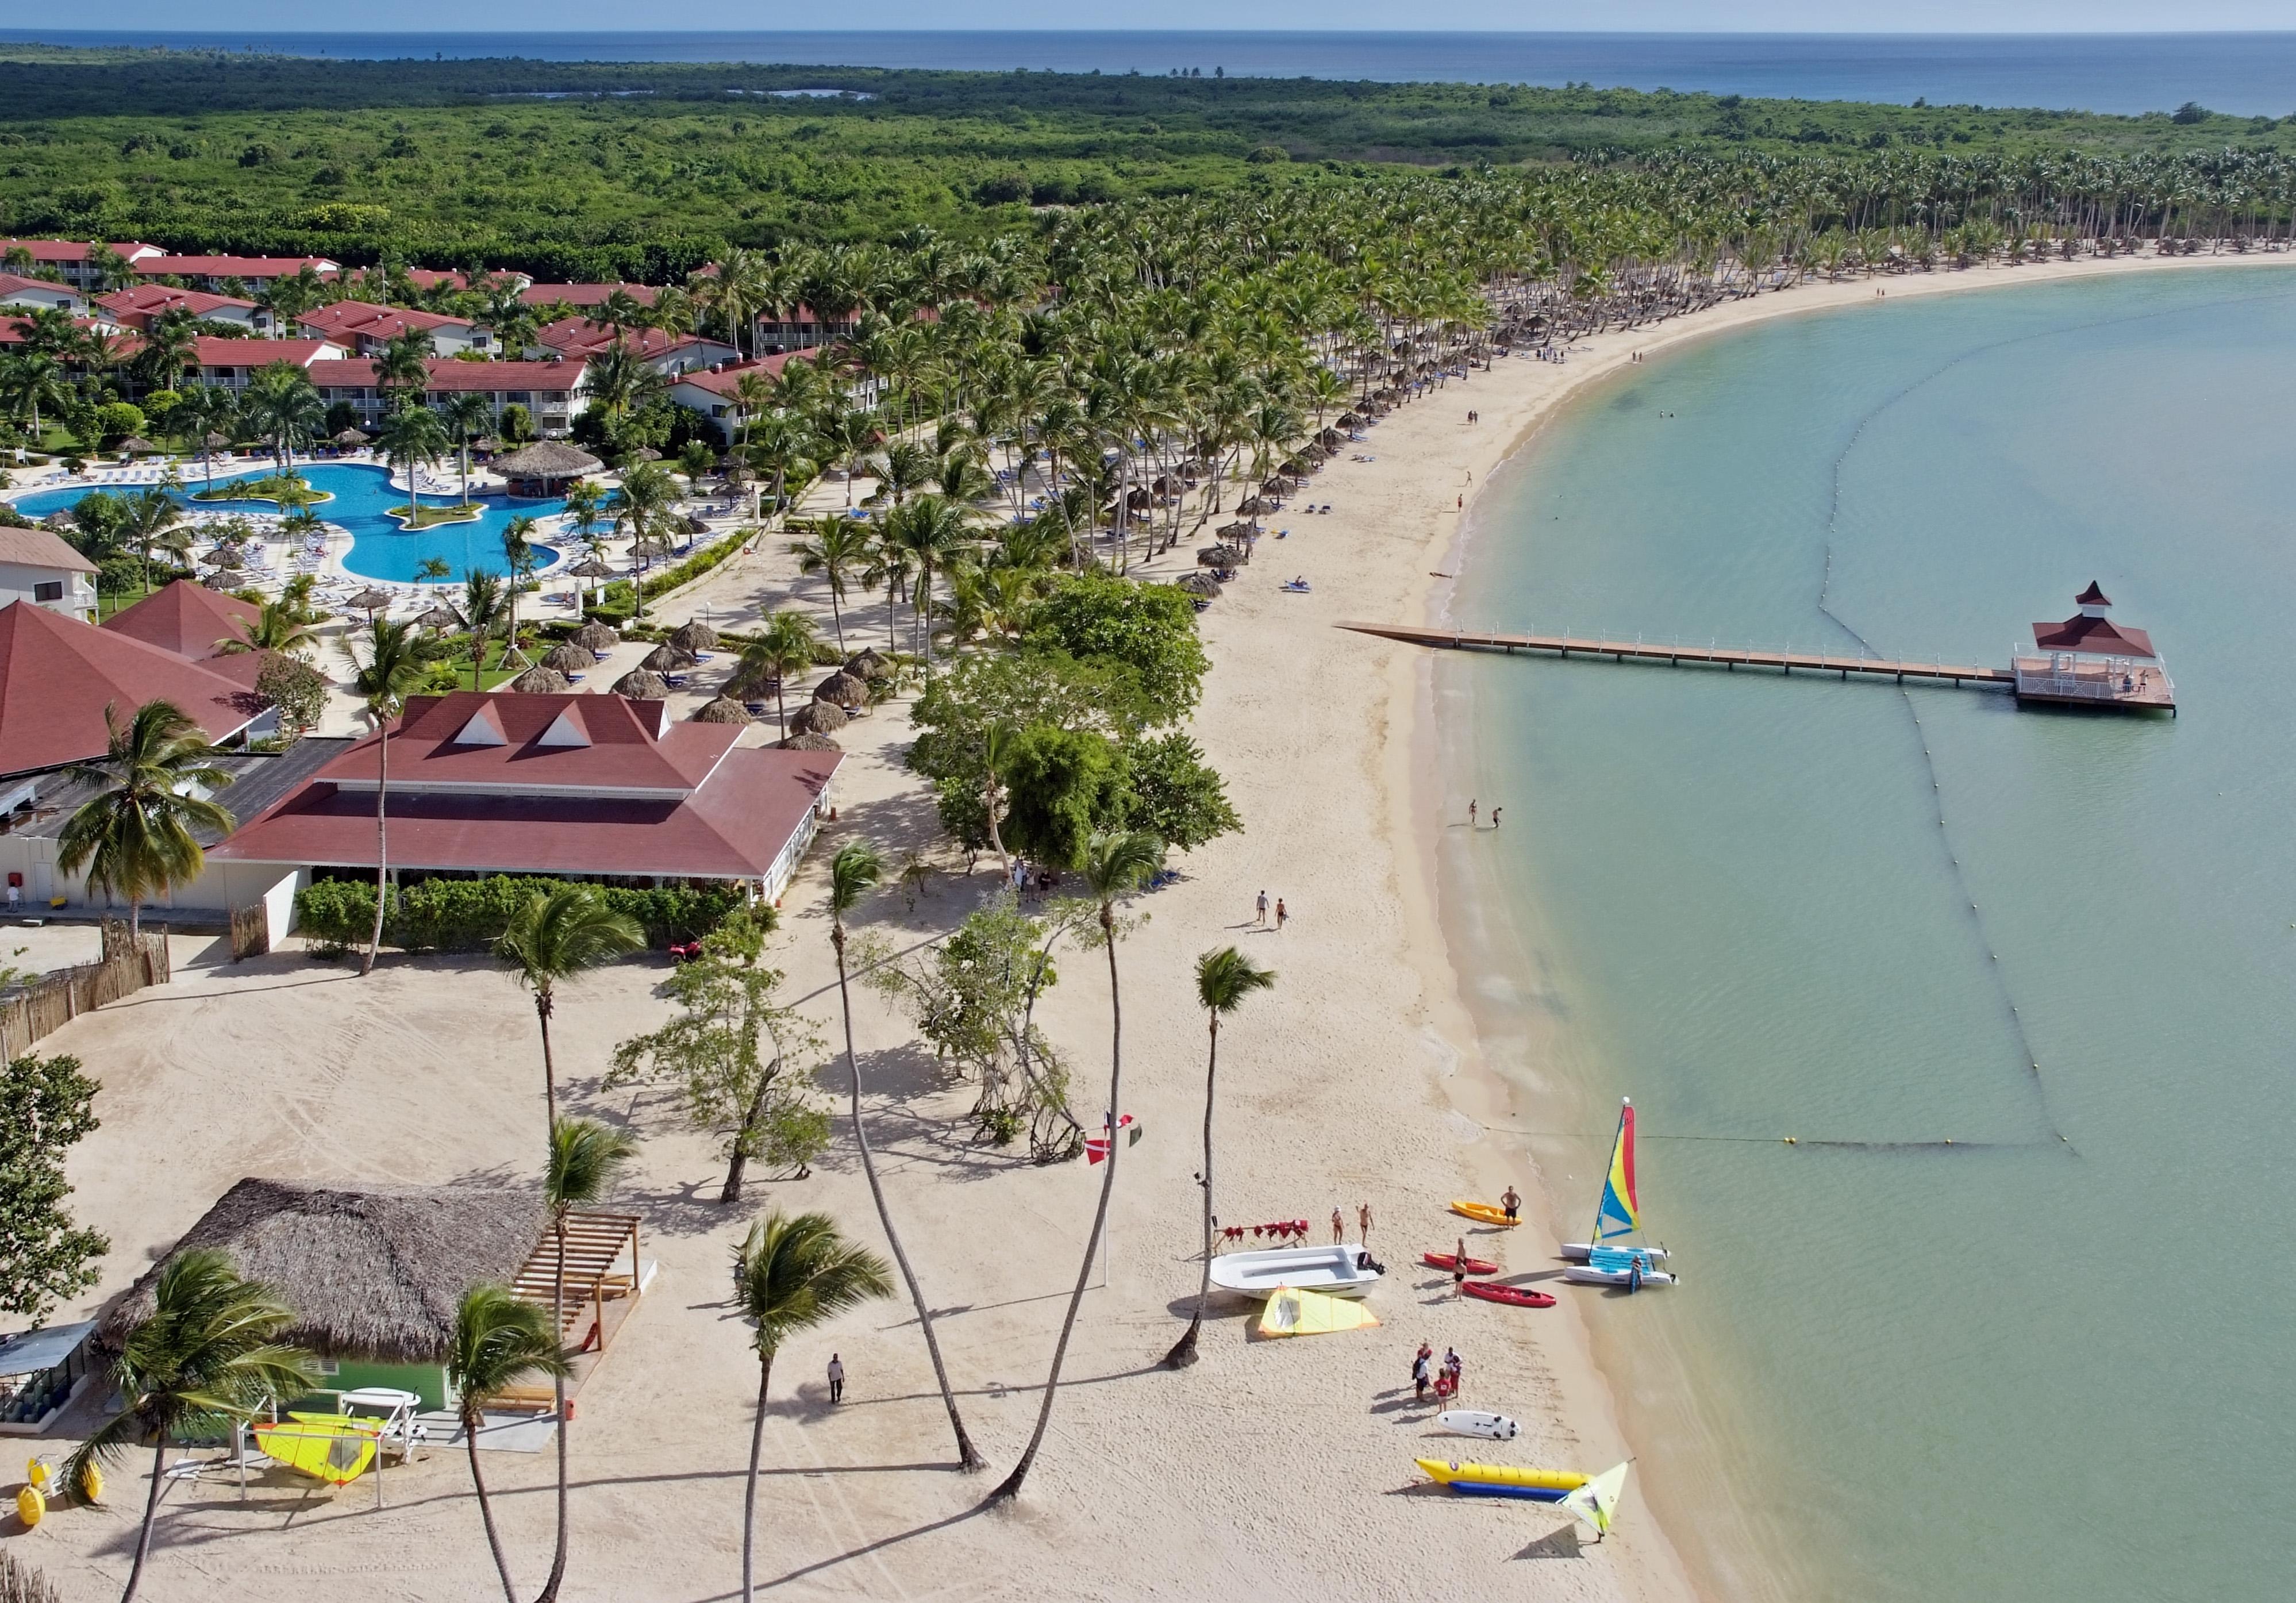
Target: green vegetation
(424, 517)
(470, 915)
(134, 838)
(47, 1106)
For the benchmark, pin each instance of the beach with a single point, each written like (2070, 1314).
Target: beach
(1359, 1078)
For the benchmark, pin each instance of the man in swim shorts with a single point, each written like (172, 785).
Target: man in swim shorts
(1510, 1202)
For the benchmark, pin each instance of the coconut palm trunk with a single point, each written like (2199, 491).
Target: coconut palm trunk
(750, 1487)
(150, 1516)
(474, 1421)
(1224, 979)
(381, 846)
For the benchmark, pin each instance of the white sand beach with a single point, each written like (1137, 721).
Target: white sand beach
(1358, 1079)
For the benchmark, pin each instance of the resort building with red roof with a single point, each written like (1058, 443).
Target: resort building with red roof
(364, 328)
(67, 258)
(586, 294)
(664, 352)
(229, 275)
(40, 294)
(136, 306)
(553, 393)
(38, 566)
(715, 391)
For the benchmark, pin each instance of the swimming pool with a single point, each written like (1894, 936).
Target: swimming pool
(380, 548)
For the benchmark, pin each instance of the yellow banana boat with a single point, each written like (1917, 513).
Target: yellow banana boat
(1502, 1475)
(1484, 1213)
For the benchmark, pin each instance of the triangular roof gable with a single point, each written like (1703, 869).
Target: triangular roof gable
(483, 728)
(185, 617)
(626, 750)
(57, 675)
(566, 729)
(2094, 595)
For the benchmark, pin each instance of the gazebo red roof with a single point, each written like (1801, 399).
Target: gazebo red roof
(2092, 632)
(57, 675)
(185, 617)
(2094, 595)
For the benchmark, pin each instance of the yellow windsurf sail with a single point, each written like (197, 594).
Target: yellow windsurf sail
(333, 1447)
(1598, 1500)
(1311, 1314)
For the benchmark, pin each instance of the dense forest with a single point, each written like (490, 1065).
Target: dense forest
(580, 170)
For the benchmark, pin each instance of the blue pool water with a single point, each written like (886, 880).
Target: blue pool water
(380, 547)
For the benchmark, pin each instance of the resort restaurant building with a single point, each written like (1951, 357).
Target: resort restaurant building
(573, 787)
(554, 393)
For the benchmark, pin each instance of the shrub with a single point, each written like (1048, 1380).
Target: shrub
(466, 915)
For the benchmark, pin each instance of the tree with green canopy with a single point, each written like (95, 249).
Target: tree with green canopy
(47, 1106)
(1224, 979)
(554, 935)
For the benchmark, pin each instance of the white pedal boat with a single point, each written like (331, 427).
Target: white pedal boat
(1336, 1272)
(1614, 1266)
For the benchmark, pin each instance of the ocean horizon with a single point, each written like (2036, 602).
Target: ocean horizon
(2246, 74)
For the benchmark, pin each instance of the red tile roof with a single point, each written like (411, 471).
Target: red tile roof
(185, 617)
(15, 284)
(58, 674)
(447, 374)
(367, 320)
(504, 741)
(11, 330)
(724, 381)
(2099, 635)
(580, 336)
(68, 249)
(211, 351)
(584, 295)
(231, 267)
(138, 305)
(41, 549)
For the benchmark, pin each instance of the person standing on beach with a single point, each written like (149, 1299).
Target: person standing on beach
(1262, 917)
(1470, 812)
(1280, 915)
(1495, 816)
(1455, 1368)
(1363, 1224)
(1459, 1270)
(1339, 1228)
(836, 1378)
(1510, 1202)
(1419, 1372)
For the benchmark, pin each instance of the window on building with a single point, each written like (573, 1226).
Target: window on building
(48, 589)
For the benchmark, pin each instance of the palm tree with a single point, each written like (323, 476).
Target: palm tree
(499, 1340)
(835, 547)
(1115, 864)
(484, 608)
(791, 1275)
(208, 1350)
(398, 659)
(557, 934)
(150, 512)
(855, 869)
(649, 500)
(276, 626)
(133, 837)
(585, 1156)
(204, 410)
(697, 462)
(518, 555)
(468, 414)
(1224, 978)
(784, 647)
(932, 530)
(403, 370)
(285, 408)
(413, 438)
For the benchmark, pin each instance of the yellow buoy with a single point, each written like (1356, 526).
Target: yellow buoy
(91, 1484)
(39, 1472)
(31, 1505)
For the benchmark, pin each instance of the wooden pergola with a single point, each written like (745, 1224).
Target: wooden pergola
(604, 1281)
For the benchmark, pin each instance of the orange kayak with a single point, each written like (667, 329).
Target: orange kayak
(1484, 1213)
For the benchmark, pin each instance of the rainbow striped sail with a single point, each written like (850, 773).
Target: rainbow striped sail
(1618, 1214)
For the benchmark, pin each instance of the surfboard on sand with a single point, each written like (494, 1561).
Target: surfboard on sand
(1475, 1422)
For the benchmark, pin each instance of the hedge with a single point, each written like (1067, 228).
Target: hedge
(466, 915)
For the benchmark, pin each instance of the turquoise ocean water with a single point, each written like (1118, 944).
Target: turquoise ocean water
(2050, 1361)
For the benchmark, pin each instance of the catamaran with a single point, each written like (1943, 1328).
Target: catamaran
(1618, 1215)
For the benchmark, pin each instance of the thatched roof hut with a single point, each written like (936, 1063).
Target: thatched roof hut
(541, 681)
(370, 600)
(546, 462)
(818, 718)
(441, 617)
(371, 1271)
(566, 657)
(595, 636)
(135, 445)
(694, 636)
(846, 690)
(1198, 584)
(807, 743)
(1222, 556)
(868, 663)
(722, 710)
(668, 659)
(640, 685)
(351, 438)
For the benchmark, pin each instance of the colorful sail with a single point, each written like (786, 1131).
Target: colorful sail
(1597, 1501)
(1618, 1213)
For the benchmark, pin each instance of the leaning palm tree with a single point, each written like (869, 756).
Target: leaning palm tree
(1114, 866)
(855, 869)
(789, 1276)
(518, 555)
(134, 836)
(276, 626)
(557, 934)
(398, 659)
(585, 1156)
(150, 513)
(834, 548)
(208, 1350)
(499, 1340)
(1224, 978)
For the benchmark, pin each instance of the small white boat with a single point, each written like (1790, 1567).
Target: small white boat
(1336, 1272)
(1615, 1266)
(1578, 1252)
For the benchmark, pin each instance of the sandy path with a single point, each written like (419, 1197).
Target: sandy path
(1358, 1079)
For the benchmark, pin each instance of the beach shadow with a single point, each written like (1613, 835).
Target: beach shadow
(1562, 1543)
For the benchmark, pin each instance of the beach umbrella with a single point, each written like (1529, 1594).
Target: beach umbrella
(222, 556)
(694, 636)
(1274, 487)
(62, 518)
(486, 444)
(566, 657)
(226, 578)
(216, 442)
(541, 681)
(722, 710)
(1252, 507)
(369, 601)
(642, 686)
(818, 718)
(135, 445)
(595, 636)
(1221, 556)
(351, 438)
(846, 690)
(807, 743)
(667, 659)
(645, 453)
(1198, 584)
(441, 617)
(695, 524)
(590, 567)
(868, 663)
(753, 683)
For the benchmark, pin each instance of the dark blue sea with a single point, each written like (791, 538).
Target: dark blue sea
(2248, 74)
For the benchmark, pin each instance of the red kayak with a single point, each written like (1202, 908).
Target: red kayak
(1515, 1296)
(1475, 1265)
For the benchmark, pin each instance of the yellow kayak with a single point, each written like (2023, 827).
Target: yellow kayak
(1502, 1475)
(1484, 1213)
(333, 1448)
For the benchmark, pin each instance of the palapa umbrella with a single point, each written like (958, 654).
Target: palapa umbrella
(721, 710)
(135, 445)
(216, 442)
(486, 444)
(667, 659)
(369, 600)
(753, 682)
(351, 438)
(818, 718)
(62, 518)
(1221, 556)
(641, 686)
(226, 578)
(590, 567)
(645, 453)
(807, 743)
(694, 636)
(868, 663)
(846, 690)
(1274, 487)
(222, 556)
(441, 617)
(566, 657)
(595, 636)
(1252, 507)
(695, 524)
(541, 681)
(1198, 584)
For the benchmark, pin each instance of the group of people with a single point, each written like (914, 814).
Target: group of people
(1259, 919)
(1445, 1379)
(1473, 808)
(1363, 1225)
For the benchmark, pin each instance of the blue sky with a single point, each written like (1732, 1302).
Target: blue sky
(1813, 16)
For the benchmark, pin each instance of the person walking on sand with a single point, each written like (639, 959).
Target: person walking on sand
(836, 1378)
(1363, 1224)
(1420, 1365)
(1495, 816)
(1470, 812)
(1280, 915)
(1510, 1202)
(1339, 1228)
(1262, 915)
(1463, 503)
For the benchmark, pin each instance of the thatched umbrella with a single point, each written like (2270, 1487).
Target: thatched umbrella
(868, 663)
(753, 682)
(846, 690)
(590, 567)
(215, 442)
(223, 556)
(369, 601)
(547, 461)
(350, 439)
(645, 453)
(1198, 584)
(569, 658)
(486, 444)
(641, 686)
(1221, 556)
(135, 445)
(807, 743)
(595, 636)
(1276, 487)
(668, 659)
(62, 518)
(694, 636)
(226, 578)
(441, 617)
(541, 681)
(1138, 500)
(696, 524)
(1251, 507)
(722, 710)
(818, 718)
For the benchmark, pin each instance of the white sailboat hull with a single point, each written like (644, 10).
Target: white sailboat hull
(1332, 1270)
(1578, 1252)
(1587, 1274)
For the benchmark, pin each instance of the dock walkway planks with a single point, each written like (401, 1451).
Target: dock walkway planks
(1648, 651)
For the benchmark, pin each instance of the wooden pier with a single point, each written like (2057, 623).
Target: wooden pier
(1677, 654)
